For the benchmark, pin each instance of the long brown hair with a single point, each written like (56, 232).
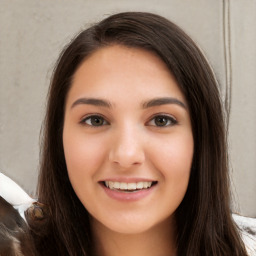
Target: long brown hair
(205, 225)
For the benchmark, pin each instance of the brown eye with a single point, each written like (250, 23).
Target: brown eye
(162, 121)
(94, 121)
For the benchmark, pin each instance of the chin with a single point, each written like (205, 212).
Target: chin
(131, 229)
(129, 225)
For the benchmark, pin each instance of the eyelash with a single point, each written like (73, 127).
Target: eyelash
(169, 120)
(90, 117)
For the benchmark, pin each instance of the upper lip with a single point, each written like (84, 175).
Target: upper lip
(127, 179)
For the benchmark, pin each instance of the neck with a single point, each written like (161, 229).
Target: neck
(159, 240)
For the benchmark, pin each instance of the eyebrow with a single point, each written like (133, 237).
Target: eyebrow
(92, 101)
(163, 101)
(147, 104)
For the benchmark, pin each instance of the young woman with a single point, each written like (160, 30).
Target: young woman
(134, 158)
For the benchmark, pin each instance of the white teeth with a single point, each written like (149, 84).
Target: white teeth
(131, 186)
(128, 186)
(147, 184)
(116, 185)
(140, 185)
(111, 184)
(123, 185)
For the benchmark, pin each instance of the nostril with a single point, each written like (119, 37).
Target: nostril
(127, 150)
(126, 158)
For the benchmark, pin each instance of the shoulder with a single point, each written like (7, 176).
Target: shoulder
(247, 228)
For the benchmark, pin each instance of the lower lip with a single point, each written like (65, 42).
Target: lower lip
(128, 196)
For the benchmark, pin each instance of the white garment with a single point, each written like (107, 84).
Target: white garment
(15, 195)
(247, 228)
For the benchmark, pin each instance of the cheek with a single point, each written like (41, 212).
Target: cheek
(173, 160)
(83, 156)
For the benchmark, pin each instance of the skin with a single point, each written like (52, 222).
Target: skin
(128, 144)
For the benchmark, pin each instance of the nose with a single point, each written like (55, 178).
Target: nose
(127, 149)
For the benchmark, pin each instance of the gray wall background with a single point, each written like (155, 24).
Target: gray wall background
(32, 33)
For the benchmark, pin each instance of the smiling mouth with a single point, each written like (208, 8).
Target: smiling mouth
(129, 187)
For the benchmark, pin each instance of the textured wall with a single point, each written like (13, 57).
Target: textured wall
(243, 103)
(32, 34)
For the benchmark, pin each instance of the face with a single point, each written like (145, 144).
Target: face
(127, 139)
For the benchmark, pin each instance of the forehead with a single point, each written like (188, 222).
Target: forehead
(124, 71)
